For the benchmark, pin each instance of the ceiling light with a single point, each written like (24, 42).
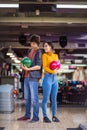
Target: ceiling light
(65, 71)
(14, 58)
(84, 55)
(17, 61)
(71, 6)
(24, 26)
(9, 5)
(10, 52)
(37, 12)
(69, 22)
(64, 66)
(78, 61)
(79, 65)
(83, 37)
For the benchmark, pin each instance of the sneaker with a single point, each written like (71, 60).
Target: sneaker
(47, 120)
(55, 119)
(23, 118)
(34, 120)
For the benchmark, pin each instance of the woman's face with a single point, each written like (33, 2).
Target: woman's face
(47, 48)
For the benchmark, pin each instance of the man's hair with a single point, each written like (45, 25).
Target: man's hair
(35, 38)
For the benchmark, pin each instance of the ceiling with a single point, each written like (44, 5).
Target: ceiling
(50, 23)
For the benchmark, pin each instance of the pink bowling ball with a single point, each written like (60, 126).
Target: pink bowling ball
(54, 65)
(58, 65)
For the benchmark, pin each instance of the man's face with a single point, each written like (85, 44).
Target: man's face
(33, 45)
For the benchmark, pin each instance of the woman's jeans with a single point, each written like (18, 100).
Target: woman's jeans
(50, 86)
(31, 96)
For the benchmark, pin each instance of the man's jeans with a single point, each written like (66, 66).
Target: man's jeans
(27, 97)
(31, 96)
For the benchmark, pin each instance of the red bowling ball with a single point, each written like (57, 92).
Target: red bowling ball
(15, 91)
(54, 65)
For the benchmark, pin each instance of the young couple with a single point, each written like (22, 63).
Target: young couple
(31, 81)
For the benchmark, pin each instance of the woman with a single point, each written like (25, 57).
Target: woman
(50, 82)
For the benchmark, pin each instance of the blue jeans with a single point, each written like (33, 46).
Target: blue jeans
(27, 97)
(50, 86)
(34, 98)
(31, 96)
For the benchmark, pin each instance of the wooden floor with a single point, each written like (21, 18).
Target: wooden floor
(69, 118)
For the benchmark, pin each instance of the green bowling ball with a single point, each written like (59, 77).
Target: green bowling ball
(26, 61)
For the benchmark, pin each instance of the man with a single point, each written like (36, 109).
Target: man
(31, 81)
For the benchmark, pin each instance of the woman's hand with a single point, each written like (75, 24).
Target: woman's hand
(55, 71)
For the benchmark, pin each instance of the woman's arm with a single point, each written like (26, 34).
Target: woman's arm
(46, 66)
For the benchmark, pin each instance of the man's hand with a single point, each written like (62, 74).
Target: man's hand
(24, 68)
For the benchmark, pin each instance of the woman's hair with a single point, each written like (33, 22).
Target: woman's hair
(50, 44)
(35, 38)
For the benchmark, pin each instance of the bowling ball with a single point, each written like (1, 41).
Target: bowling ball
(15, 91)
(55, 65)
(58, 65)
(26, 61)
